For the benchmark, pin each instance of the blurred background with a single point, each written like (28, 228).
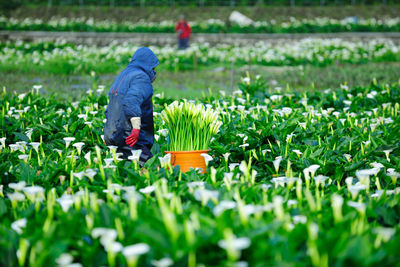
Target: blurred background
(200, 2)
(295, 45)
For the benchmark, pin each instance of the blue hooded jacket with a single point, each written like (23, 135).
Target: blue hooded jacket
(131, 96)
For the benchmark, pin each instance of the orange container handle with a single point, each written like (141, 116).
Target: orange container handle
(174, 158)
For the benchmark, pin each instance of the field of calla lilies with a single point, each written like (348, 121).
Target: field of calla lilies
(64, 58)
(291, 25)
(292, 179)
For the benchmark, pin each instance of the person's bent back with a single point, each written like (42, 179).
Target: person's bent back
(129, 113)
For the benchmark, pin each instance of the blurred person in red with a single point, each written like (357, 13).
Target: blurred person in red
(184, 31)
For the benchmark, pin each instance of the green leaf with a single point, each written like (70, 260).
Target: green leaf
(354, 166)
(21, 137)
(387, 215)
(3, 207)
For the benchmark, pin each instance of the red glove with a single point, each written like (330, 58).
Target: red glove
(133, 137)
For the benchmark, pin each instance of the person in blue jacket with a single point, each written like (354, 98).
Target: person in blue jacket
(129, 113)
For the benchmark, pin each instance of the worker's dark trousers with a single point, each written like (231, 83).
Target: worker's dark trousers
(183, 43)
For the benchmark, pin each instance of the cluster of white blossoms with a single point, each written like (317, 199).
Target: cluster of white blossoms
(60, 23)
(300, 52)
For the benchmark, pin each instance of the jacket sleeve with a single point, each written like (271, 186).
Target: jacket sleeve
(140, 88)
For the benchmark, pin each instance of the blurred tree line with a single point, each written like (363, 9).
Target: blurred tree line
(8, 5)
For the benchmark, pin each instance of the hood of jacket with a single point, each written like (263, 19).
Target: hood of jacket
(146, 60)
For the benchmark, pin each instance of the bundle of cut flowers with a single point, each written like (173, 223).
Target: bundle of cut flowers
(190, 126)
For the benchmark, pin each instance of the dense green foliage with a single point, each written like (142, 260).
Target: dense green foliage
(295, 179)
